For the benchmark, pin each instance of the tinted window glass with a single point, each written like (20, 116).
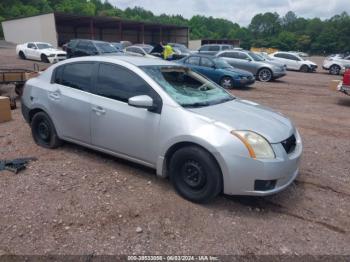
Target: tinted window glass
(243, 56)
(91, 48)
(194, 60)
(292, 57)
(204, 48)
(82, 45)
(228, 55)
(280, 55)
(206, 62)
(57, 76)
(214, 48)
(30, 45)
(119, 83)
(77, 75)
(225, 47)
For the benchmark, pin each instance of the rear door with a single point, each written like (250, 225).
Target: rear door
(116, 126)
(70, 100)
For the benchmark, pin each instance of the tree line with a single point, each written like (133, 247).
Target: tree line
(288, 32)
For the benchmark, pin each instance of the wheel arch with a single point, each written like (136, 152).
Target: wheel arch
(164, 167)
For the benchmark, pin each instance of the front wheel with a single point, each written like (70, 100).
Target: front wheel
(44, 59)
(44, 132)
(304, 69)
(195, 174)
(226, 82)
(334, 70)
(265, 75)
(22, 55)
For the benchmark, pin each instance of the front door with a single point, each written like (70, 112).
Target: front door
(116, 126)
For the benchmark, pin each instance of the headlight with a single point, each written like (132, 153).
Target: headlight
(257, 145)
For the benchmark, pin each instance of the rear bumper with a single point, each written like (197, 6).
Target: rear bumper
(25, 112)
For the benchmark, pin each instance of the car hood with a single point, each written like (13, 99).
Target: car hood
(246, 115)
(237, 71)
(309, 62)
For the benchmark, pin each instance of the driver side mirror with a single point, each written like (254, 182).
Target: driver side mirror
(248, 59)
(142, 101)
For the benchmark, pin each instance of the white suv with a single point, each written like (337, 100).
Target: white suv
(336, 64)
(294, 61)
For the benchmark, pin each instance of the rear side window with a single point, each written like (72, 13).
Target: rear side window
(225, 47)
(206, 62)
(119, 83)
(229, 54)
(204, 48)
(214, 48)
(280, 55)
(193, 60)
(77, 75)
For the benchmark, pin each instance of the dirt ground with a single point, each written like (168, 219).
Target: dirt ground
(77, 201)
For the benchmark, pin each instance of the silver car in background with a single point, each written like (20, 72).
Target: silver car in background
(262, 69)
(167, 117)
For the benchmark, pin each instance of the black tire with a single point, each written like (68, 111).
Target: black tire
(265, 75)
(334, 70)
(22, 55)
(44, 132)
(44, 59)
(304, 69)
(195, 174)
(226, 82)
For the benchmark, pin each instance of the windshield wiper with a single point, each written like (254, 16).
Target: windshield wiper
(197, 104)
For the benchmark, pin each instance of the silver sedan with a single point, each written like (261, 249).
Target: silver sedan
(165, 116)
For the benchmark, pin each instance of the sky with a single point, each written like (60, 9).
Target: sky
(239, 11)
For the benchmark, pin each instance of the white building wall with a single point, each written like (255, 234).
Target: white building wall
(39, 28)
(194, 44)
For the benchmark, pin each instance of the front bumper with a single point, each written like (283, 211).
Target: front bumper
(244, 82)
(241, 174)
(56, 59)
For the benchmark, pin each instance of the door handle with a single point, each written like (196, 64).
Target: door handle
(99, 110)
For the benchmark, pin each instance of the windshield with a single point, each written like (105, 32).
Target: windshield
(255, 56)
(221, 63)
(106, 48)
(186, 87)
(44, 46)
(147, 49)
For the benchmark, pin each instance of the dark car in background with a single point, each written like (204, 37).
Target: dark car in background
(86, 47)
(218, 70)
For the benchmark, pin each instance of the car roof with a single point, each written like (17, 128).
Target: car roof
(140, 61)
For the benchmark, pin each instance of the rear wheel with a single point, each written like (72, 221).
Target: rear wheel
(226, 82)
(304, 69)
(334, 70)
(195, 174)
(44, 58)
(44, 132)
(21, 55)
(265, 75)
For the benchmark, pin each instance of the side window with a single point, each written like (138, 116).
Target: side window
(57, 75)
(77, 75)
(214, 48)
(31, 45)
(243, 56)
(280, 55)
(293, 57)
(206, 62)
(225, 47)
(91, 48)
(82, 45)
(193, 60)
(119, 83)
(138, 51)
(204, 48)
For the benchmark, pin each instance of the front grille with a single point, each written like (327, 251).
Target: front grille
(61, 55)
(289, 144)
